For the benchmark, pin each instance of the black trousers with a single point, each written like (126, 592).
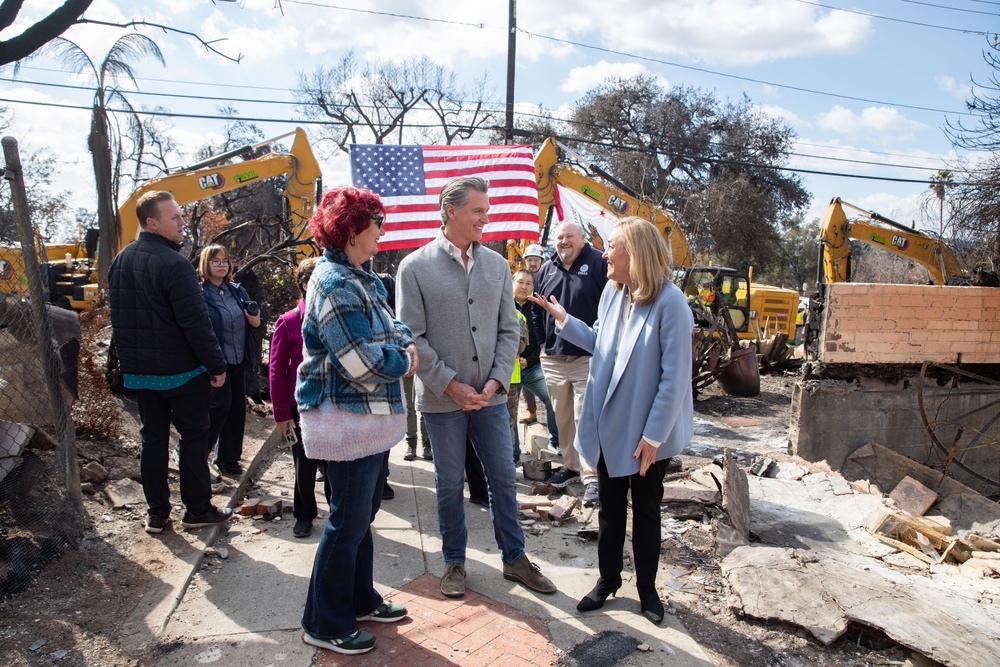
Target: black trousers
(647, 493)
(228, 412)
(304, 494)
(186, 407)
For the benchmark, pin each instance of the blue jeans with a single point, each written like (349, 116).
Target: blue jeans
(345, 553)
(533, 379)
(489, 431)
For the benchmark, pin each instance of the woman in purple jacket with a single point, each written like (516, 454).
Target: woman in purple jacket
(286, 355)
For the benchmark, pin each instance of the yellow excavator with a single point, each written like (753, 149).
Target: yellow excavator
(741, 310)
(71, 269)
(942, 264)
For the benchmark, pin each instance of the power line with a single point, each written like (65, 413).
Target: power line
(497, 110)
(743, 163)
(704, 70)
(816, 172)
(370, 11)
(895, 20)
(954, 9)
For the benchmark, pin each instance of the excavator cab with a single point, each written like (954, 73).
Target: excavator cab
(713, 288)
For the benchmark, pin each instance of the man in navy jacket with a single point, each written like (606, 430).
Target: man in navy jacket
(576, 276)
(169, 355)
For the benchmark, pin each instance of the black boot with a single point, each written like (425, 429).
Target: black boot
(411, 450)
(649, 602)
(595, 598)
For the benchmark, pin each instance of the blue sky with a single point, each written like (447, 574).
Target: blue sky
(861, 81)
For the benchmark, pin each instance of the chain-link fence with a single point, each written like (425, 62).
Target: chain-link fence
(40, 500)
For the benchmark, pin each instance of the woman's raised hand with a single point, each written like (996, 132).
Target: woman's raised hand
(552, 307)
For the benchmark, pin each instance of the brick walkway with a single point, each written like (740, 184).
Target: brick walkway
(472, 630)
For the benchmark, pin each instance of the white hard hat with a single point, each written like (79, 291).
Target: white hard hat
(533, 250)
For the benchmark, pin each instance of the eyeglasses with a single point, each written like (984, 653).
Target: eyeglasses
(219, 262)
(379, 220)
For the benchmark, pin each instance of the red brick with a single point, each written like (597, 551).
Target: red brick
(269, 506)
(249, 507)
(913, 497)
(563, 508)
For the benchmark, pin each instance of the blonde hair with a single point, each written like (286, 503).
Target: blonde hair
(207, 255)
(650, 263)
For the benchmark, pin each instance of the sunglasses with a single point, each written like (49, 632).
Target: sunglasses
(379, 220)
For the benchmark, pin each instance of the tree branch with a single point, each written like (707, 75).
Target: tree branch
(41, 32)
(164, 28)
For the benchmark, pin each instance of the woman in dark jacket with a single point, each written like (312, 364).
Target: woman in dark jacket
(233, 317)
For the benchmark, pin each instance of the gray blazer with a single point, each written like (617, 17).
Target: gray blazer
(465, 326)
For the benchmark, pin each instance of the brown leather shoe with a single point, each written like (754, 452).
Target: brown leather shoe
(528, 575)
(453, 581)
(529, 417)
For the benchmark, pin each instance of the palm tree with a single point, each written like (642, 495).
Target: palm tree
(939, 181)
(117, 64)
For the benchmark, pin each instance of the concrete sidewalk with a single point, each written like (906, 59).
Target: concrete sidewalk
(245, 609)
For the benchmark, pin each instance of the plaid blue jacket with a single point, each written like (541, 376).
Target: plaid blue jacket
(354, 351)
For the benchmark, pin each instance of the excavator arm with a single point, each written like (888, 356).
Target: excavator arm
(933, 254)
(617, 199)
(212, 177)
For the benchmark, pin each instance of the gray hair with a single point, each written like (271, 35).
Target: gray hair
(456, 192)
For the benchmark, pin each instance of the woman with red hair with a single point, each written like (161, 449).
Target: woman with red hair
(349, 393)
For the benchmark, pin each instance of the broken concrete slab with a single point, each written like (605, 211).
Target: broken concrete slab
(124, 492)
(824, 591)
(786, 470)
(686, 491)
(709, 476)
(875, 465)
(793, 513)
(736, 496)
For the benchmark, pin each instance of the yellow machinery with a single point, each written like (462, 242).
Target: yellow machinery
(72, 268)
(942, 264)
(769, 310)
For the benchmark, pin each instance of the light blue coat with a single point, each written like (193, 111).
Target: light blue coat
(648, 391)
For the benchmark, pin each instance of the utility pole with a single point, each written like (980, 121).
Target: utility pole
(511, 48)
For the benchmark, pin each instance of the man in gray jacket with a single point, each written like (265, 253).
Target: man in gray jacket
(456, 297)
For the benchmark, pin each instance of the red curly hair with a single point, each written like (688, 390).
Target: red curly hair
(343, 212)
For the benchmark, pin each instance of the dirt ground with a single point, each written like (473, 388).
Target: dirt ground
(74, 610)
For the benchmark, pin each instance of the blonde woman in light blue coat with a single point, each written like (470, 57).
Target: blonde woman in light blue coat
(637, 410)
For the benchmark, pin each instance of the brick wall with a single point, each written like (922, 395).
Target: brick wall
(867, 323)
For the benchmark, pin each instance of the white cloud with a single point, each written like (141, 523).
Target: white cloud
(871, 120)
(786, 115)
(733, 32)
(582, 79)
(949, 85)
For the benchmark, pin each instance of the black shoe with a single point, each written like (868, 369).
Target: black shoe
(595, 598)
(212, 517)
(231, 469)
(484, 502)
(562, 477)
(387, 492)
(155, 524)
(302, 528)
(651, 606)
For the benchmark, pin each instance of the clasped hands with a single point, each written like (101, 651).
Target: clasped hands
(468, 398)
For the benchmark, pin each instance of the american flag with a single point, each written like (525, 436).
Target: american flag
(409, 180)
